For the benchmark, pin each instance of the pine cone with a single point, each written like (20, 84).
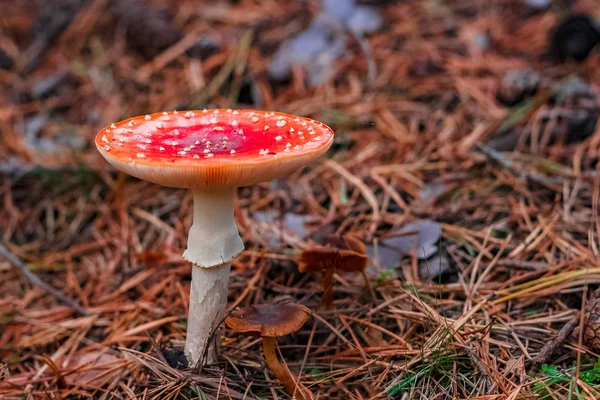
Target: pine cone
(591, 325)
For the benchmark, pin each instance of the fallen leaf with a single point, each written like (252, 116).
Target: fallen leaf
(419, 238)
(292, 223)
(94, 369)
(434, 267)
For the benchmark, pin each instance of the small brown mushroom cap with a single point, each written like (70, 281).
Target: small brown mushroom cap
(325, 258)
(348, 255)
(269, 320)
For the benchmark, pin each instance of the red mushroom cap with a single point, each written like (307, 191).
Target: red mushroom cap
(213, 149)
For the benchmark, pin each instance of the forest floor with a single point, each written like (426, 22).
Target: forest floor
(495, 184)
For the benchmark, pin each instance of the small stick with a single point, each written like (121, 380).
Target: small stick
(475, 360)
(552, 345)
(37, 281)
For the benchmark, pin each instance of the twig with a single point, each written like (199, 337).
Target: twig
(478, 363)
(37, 281)
(553, 345)
(555, 184)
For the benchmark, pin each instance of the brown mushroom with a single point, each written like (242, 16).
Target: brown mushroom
(347, 255)
(271, 321)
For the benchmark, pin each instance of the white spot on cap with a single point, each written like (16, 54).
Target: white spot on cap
(175, 112)
(232, 152)
(161, 148)
(165, 113)
(160, 125)
(209, 155)
(188, 114)
(113, 126)
(216, 112)
(214, 120)
(288, 145)
(234, 123)
(229, 110)
(196, 156)
(218, 128)
(278, 138)
(297, 119)
(107, 131)
(205, 110)
(286, 150)
(181, 153)
(197, 142)
(291, 130)
(263, 152)
(147, 117)
(176, 132)
(186, 148)
(254, 119)
(281, 123)
(266, 127)
(174, 143)
(235, 112)
(131, 123)
(147, 141)
(106, 147)
(104, 139)
(206, 151)
(140, 155)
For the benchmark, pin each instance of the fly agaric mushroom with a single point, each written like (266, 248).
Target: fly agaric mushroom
(271, 321)
(212, 152)
(348, 255)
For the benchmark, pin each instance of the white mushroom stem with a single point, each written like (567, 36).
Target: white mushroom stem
(212, 242)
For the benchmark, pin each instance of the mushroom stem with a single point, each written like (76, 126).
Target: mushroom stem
(213, 238)
(212, 242)
(327, 298)
(282, 372)
(208, 300)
